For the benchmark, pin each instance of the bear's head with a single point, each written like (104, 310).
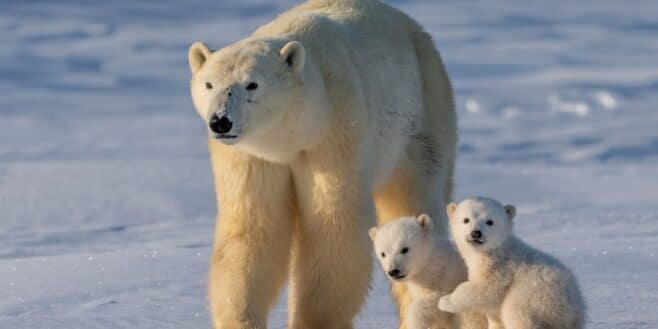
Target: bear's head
(259, 95)
(404, 246)
(480, 223)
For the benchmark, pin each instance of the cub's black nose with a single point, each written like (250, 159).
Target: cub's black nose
(220, 125)
(394, 272)
(476, 234)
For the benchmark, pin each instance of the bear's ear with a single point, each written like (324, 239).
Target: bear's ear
(293, 55)
(425, 221)
(197, 55)
(451, 208)
(510, 210)
(372, 232)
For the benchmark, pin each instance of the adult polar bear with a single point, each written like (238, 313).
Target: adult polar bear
(334, 114)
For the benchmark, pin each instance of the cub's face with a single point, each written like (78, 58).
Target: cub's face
(480, 223)
(244, 91)
(403, 246)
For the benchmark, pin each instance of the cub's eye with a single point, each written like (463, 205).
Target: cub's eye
(490, 222)
(466, 220)
(252, 86)
(383, 255)
(404, 250)
(208, 85)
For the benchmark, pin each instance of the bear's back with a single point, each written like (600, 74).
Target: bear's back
(353, 17)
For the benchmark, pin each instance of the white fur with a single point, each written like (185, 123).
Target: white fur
(353, 121)
(429, 266)
(515, 285)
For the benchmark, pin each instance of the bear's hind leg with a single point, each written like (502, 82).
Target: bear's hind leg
(413, 188)
(422, 183)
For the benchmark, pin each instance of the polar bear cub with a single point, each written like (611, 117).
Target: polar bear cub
(513, 284)
(430, 267)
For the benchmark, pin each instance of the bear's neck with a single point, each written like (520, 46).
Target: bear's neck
(429, 276)
(481, 263)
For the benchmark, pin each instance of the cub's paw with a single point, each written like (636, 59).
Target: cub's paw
(446, 305)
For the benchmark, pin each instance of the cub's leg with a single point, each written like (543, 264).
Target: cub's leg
(470, 296)
(522, 321)
(519, 311)
(495, 323)
(252, 238)
(471, 320)
(420, 315)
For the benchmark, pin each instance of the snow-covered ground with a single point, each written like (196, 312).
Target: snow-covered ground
(106, 200)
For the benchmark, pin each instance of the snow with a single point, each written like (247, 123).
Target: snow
(105, 187)
(606, 100)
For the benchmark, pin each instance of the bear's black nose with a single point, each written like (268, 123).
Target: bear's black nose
(220, 125)
(476, 234)
(394, 272)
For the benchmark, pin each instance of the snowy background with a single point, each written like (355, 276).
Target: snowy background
(106, 201)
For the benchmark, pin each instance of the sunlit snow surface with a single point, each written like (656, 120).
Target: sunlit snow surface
(106, 200)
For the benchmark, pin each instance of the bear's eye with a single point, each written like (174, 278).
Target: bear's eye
(466, 220)
(383, 255)
(404, 250)
(490, 222)
(252, 86)
(208, 85)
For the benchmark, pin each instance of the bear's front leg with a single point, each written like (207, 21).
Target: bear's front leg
(332, 259)
(470, 296)
(447, 305)
(252, 238)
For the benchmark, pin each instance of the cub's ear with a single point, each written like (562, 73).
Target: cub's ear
(425, 221)
(294, 55)
(197, 55)
(451, 208)
(372, 232)
(510, 210)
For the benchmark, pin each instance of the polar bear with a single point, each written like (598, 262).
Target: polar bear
(429, 267)
(516, 286)
(336, 114)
